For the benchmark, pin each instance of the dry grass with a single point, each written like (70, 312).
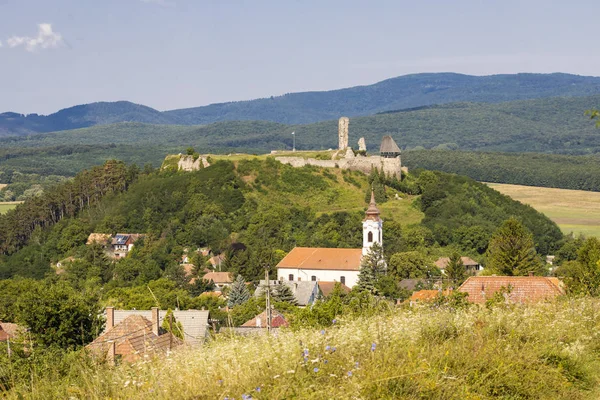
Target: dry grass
(3, 185)
(574, 211)
(548, 351)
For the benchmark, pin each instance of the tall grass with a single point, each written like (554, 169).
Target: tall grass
(547, 351)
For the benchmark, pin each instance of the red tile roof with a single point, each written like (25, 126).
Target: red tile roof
(426, 295)
(442, 262)
(260, 321)
(327, 287)
(322, 259)
(524, 289)
(218, 277)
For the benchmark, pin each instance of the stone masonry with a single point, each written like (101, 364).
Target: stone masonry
(343, 132)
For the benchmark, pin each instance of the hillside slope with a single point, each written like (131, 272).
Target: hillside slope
(402, 92)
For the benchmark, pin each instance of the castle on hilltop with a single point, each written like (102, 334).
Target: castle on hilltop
(387, 161)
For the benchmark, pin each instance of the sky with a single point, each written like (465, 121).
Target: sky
(170, 54)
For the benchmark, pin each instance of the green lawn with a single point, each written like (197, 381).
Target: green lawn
(4, 207)
(574, 211)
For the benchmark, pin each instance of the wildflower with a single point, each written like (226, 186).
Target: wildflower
(316, 369)
(305, 352)
(327, 348)
(322, 331)
(333, 349)
(291, 371)
(257, 389)
(334, 321)
(325, 361)
(349, 373)
(373, 347)
(276, 376)
(356, 364)
(220, 381)
(305, 359)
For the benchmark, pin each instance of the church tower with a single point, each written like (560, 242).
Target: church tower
(372, 226)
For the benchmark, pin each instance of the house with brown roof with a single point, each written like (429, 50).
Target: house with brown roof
(99, 238)
(258, 324)
(122, 243)
(521, 289)
(194, 323)
(220, 279)
(132, 338)
(327, 288)
(471, 266)
(331, 264)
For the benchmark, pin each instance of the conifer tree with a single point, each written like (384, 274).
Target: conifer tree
(512, 252)
(283, 293)
(367, 280)
(238, 294)
(455, 271)
(372, 265)
(177, 327)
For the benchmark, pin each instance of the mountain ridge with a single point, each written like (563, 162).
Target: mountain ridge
(393, 94)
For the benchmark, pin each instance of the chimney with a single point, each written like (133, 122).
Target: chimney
(110, 357)
(155, 321)
(110, 317)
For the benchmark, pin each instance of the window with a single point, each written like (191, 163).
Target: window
(343, 280)
(313, 278)
(291, 277)
(370, 237)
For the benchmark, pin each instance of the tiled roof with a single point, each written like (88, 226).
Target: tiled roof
(218, 277)
(442, 262)
(524, 289)
(132, 337)
(305, 292)
(322, 259)
(8, 330)
(260, 321)
(193, 322)
(327, 287)
(101, 238)
(425, 295)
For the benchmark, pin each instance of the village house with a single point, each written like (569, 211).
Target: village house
(333, 264)
(194, 323)
(471, 266)
(220, 279)
(305, 292)
(521, 289)
(122, 243)
(326, 288)
(133, 337)
(258, 324)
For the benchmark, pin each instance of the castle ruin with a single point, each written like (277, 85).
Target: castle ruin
(387, 161)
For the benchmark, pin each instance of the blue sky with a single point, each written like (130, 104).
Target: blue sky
(171, 54)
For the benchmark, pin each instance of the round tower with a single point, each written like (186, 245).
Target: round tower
(372, 226)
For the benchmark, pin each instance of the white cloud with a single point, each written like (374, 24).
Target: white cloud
(46, 39)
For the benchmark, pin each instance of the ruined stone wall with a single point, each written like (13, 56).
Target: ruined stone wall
(187, 163)
(391, 166)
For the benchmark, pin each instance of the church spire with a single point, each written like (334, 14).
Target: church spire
(372, 212)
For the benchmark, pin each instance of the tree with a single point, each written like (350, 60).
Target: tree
(367, 280)
(583, 275)
(455, 270)
(58, 315)
(412, 265)
(594, 114)
(238, 294)
(283, 293)
(375, 258)
(177, 328)
(512, 252)
(190, 151)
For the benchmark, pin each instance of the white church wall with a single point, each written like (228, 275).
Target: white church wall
(351, 277)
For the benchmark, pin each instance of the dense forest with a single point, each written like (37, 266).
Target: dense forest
(402, 92)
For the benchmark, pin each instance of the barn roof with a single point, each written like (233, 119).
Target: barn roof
(319, 258)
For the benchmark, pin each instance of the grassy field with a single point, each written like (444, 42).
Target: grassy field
(9, 205)
(574, 211)
(546, 351)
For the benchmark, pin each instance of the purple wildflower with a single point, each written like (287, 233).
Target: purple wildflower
(258, 389)
(349, 373)
(305, 352)
(373, 346)
(316, 369)
(334, 321)
(305, 359)
(322, 331)
(327, 348)
(356, 364)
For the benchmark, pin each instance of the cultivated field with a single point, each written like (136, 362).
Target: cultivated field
(9, 205)
(574, 211)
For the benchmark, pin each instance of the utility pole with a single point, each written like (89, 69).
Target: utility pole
(294, 146)
(268, 299)
(170, 331)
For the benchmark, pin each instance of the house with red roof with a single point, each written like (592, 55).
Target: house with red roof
(521, 289)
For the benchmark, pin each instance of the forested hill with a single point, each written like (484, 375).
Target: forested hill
(403, 92)
(267, 206)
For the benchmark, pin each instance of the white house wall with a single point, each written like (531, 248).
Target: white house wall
(322, 275)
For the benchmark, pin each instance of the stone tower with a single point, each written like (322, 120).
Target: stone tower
(343, 132)
(372, 227)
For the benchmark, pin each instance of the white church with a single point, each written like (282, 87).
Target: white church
(330, 264)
